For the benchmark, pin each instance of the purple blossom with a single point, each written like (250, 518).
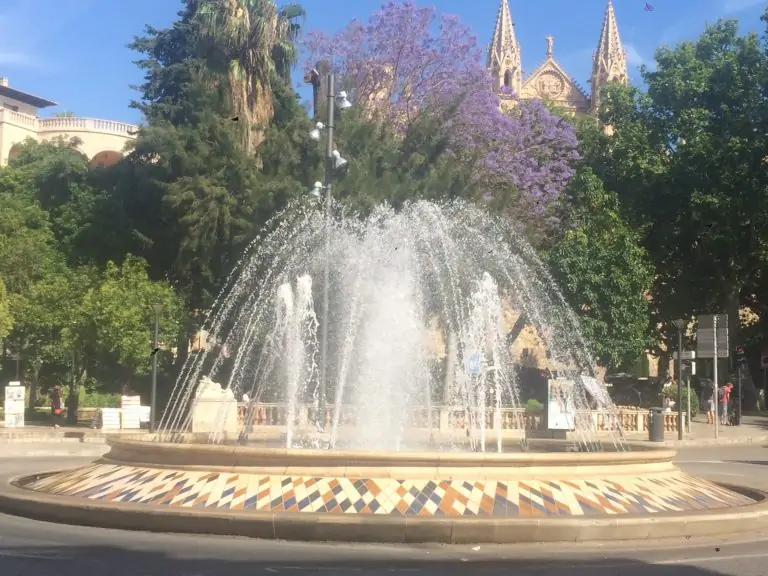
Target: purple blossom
(408, 61)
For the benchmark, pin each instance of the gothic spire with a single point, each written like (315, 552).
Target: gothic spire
(609, 63)
(504, 62)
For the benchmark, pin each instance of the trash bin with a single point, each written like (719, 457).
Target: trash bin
(656, 425)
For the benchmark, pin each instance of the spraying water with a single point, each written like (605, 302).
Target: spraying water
(398, 281)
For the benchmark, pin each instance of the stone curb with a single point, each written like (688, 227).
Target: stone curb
(97, 437)
(694, 442)
(52, 450)
(382, 529)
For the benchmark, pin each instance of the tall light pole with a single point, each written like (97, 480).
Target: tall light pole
(332, 160)
(679, 324)
(157, 309)
(327, 264)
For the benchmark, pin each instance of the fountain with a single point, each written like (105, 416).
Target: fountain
(398, 280)
(400, 454)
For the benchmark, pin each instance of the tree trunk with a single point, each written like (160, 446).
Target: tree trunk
(515, 331)
(261, 111)
(732, 306)
(34, 384)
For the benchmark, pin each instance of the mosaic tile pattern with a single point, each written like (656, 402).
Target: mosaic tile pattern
(250, 492)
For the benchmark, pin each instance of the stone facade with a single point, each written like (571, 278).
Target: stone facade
(550, 81)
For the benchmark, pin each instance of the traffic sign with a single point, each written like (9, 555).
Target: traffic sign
(705, 336)
(687, 354)
(473, 365)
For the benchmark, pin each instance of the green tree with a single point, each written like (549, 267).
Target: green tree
(395, 168)
(118, 318)
(604, 273)
(26, 240)
(60, 179)
(6, 318)
(248, 42)
(47, 318)
(689, 165)
(189, 197)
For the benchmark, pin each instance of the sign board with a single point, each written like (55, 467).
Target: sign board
(705, 336)
(687, 354)
(473, 364)
(561, 407)
(15, 402)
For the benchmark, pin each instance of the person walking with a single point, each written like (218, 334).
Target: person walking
(725, 400)
(710, 405)
(56, 406)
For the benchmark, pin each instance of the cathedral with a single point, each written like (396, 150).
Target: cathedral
(550, 81)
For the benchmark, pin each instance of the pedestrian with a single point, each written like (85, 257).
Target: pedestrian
(725, 399)
(710, 406)
(56, 405)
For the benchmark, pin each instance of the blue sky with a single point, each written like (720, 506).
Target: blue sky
(74, 51)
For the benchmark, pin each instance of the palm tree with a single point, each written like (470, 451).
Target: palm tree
(252, 42)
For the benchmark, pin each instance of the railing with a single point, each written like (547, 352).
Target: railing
(632, 420)
(67, 123)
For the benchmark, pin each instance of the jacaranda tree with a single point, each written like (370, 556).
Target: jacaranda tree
(408, 63)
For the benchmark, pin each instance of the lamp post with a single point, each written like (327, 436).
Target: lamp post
(73, 396)
(157, 309)
(332, 160)
(679, 324)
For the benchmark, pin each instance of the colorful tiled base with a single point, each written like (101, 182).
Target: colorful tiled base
(294, 494)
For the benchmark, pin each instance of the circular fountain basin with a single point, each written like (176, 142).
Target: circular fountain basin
(383, 496)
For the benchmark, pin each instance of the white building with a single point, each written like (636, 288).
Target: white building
(101, 141)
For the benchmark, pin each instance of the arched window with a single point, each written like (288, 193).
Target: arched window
(508, 79)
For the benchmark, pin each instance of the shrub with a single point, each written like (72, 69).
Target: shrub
(671, 392)
(533, 406)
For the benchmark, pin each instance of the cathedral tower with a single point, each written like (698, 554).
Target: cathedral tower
(609, 63)
(549, 81)
(504, 62)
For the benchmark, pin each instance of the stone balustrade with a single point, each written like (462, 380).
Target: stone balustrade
(630, 419)
(66, 124)
(74, 124)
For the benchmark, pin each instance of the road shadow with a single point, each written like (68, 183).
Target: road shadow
(117, 561)
(753, 462)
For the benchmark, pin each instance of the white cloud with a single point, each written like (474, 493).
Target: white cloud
(634, 58)
(734, 6)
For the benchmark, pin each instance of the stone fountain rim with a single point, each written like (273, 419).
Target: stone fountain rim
(145, 450)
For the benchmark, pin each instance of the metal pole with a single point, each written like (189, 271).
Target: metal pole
(153, 397)
(679, 383)
(326, 266)
(738, 392)
(688, 382)
(714, 377)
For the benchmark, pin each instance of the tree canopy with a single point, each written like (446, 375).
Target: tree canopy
(663, 216)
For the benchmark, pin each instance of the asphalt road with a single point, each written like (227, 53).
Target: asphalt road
(30, 548)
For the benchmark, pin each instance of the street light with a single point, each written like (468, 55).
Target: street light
(315, 132)
(338, 161)
(333, 161)
(679, 324)
(317, 190)
(157, 309)
(342, 101)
